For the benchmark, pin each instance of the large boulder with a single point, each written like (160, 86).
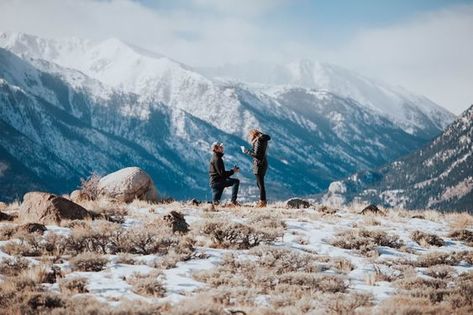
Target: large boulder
(128, 184)
(40, 207)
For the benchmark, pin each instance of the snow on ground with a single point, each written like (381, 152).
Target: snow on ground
(316, 231)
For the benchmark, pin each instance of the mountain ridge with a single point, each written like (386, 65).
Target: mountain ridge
(437, 176)
(317, 133)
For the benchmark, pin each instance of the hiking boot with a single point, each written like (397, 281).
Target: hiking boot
(261, 204)
(232, 204)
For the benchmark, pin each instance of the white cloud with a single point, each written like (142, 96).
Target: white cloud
(430, 54)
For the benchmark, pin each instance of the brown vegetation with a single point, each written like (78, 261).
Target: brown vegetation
(365, 241)
(426, 239)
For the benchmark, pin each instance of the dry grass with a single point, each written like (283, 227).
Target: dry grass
(127, 259)
(226, 234)
(457, 221)
(13, 266)
(426, 239)
(440, 272)
(7, 231)
(147, 285)
(26, 245)
(437, 258)
(365, 241)
(88, 262)
(288, 278)
(432, 296)
(463, 235)
(74, 285)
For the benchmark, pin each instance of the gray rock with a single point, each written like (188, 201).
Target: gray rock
(297, 203)
(40, 207)
(128, 184)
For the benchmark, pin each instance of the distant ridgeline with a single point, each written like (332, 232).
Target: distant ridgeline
(69, 108)
(438, 176)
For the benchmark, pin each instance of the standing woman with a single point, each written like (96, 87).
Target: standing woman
(260, 163)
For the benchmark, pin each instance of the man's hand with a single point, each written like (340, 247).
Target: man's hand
(236, 169)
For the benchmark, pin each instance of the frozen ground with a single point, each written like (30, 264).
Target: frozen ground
(305, 231)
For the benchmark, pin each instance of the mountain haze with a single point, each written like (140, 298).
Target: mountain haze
(72, 107)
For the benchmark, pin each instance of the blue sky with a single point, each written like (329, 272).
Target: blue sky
(422, 45)
(329, 21)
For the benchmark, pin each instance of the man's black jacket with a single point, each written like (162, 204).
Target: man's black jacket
(217, 172)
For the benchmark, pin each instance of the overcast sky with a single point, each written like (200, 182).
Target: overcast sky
(425, 46)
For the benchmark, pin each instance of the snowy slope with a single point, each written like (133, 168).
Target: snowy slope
(171, 114)
(438, 176)
(160, 78)
(378, 271)
(415, 114)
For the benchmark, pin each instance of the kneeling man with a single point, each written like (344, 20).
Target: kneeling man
(220, 178)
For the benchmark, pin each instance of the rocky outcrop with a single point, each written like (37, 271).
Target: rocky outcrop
(177, 221)
(296, 203)
(5, 217)
(372, 209)
(128, 184)
(40, 207)
(32, 228)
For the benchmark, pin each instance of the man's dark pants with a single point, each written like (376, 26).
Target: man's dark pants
(217, 189)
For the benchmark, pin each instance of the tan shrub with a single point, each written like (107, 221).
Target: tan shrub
(466, 256)
(341, 264)
(237, 235)
(125, 258)
(100, 237)
(459, 221)
(420, 283)
(315, 281)
(440, 271)
(41, 273)
(426, 239)
(13, 266)
(89, 187)
(88, 262)
(198, 306)
(437, 258)
(365, 241)
(147, 285)
(7, 231)
(73, 285)
(41, 303)
(348, 303)
(149, 239)
(26, 246)
(463, 235)
(281, 260)
(407, 305)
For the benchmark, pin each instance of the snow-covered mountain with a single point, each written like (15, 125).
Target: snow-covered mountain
(97, 106)
(438, 176)
(415, 114)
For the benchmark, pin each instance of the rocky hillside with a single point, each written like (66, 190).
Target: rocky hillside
(438, 176)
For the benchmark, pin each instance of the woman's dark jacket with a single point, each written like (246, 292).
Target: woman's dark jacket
(260, 163)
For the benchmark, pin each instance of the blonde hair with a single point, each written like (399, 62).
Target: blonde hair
(253, 134)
